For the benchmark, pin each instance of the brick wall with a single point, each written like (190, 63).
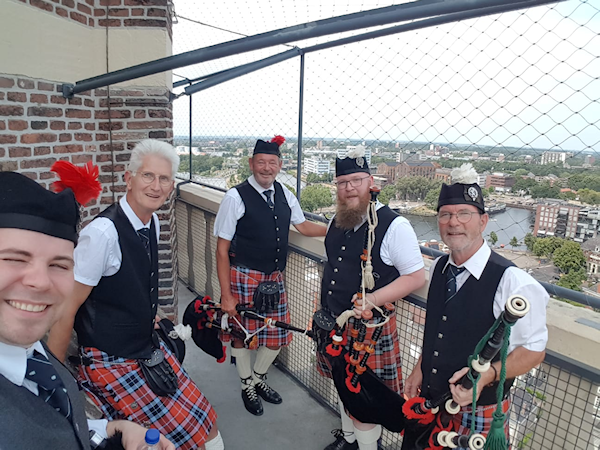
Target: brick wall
(109, 13)
(38, 127)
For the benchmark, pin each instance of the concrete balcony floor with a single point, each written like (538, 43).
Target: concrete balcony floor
(300, 422)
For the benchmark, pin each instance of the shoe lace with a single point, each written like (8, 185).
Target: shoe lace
(339, 433)
(262, 385)
(251, 393)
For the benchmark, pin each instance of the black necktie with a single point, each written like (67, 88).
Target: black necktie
(451, 274)
(144, 234)
(267, 194)
(50, 387)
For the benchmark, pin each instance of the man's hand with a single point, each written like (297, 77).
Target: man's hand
(371, 299)
(134, 435)
(156, 320)
(412, 385)
(460, 395)
(228, 304)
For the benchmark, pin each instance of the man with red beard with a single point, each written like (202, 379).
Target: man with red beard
(397, 269)
(252, 228)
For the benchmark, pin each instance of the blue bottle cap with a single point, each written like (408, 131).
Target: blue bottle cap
(152, 436)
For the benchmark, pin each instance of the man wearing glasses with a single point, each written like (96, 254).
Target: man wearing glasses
(116, 274)
(397, 270)
(467, 292)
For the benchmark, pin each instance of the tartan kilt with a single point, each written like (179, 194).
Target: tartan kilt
(461, 422)
(117, 386)
(385, 362)
(244, 282)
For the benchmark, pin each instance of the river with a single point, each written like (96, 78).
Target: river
(511, 222)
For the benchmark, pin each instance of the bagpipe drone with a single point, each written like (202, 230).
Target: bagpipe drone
(435, 415)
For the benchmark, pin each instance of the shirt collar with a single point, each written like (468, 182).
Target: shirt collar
(252, 181)
(476, 263)
(13, 361)
(133, 218)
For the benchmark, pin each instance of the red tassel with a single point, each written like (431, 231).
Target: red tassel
(353, 389)
(83, 181)
(222, 360)
(278, 140)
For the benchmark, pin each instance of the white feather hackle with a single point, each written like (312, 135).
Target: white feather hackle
(356, 152)
(464, 174)
(184, 331)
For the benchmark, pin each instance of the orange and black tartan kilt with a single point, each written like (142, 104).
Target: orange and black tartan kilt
(244, 282)
(118, 387)
(385, 362)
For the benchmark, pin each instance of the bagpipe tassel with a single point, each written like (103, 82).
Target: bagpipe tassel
(496, 438)
(368, 275)
(412, 410)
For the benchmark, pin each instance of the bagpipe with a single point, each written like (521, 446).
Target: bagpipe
(366, 397)
(437, 423)
(203, 316)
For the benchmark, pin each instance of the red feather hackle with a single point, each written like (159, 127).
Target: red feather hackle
(83, 181)
(278, 140)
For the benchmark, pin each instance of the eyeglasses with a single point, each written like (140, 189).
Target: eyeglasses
(461, 216)
(355, 182)
(149, 177)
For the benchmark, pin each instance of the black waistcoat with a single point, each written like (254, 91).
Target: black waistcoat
(342, 273)
(29, 423)
(261, 237)
(118, 316)
(453, 329)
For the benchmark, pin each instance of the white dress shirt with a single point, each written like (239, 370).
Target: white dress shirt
(13, 365)
(530, 331)
(400, 247)
(98, 253)
(232, 209)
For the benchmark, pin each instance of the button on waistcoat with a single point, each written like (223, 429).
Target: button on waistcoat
(454, 327)
(261, 236)
(118, 316)
(342, 273)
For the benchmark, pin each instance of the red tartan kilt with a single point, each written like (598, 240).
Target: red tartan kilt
(118, 387)
(461, 422)
(385, 362)
(243, 284)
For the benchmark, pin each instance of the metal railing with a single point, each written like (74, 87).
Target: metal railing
(556, 406)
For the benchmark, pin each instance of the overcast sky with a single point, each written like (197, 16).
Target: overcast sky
(523, 79)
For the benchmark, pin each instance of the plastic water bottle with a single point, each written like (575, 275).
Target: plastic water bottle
(152, 438)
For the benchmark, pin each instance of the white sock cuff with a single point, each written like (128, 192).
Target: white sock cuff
(215, 443)
(368, 437)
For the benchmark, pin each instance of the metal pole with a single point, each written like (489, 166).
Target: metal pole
(241, 70)
(377, 17)
(191, 105)
(300, 119)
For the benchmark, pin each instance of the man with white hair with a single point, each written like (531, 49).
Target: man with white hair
(468, 290)
(126, 371)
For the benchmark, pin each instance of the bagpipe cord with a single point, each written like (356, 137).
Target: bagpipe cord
(496, 438)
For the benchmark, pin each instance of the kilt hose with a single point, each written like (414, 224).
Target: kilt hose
(385, 362)
(117, 386)
(244, 282)
(461, 423)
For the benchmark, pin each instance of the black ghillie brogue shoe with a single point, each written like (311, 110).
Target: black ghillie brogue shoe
(251, 401)
(266, 392)
(341, 443)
